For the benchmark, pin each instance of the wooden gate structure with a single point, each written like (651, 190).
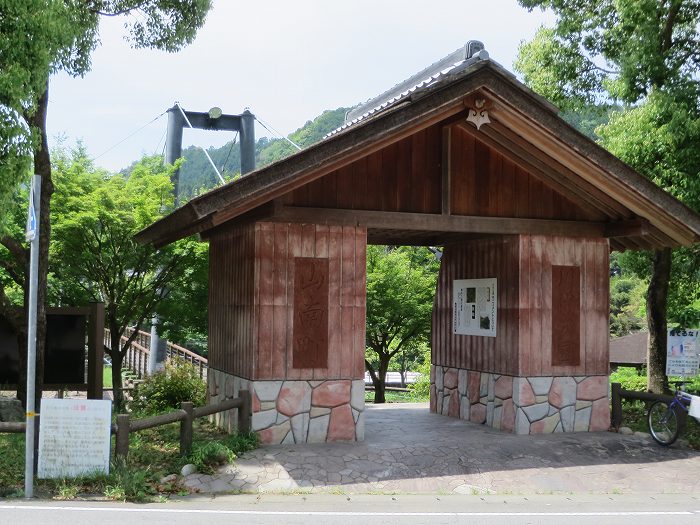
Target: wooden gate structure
(468, 158)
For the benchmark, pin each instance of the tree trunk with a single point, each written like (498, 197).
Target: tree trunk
(379, 380)
(657, 296)
(117, 361)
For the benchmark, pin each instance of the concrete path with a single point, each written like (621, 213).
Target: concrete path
(409, 450)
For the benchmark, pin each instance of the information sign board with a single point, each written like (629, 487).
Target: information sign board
(74, 437)
(474, 309)
(682, 353)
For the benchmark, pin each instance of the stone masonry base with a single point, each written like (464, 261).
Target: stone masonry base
(523, 405)
(296, 411)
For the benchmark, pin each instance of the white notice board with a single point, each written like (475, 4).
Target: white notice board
(474, 309)
(682, 353)
(74, 437)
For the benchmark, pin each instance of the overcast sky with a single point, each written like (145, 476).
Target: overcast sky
(287, 61)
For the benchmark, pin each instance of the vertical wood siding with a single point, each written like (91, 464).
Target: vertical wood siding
(404, 176)
(538, 255)
(523, 267)
(486, 183)
(477, 260)
(232, 314)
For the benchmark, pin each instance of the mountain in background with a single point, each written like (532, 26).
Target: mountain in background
(198, 176)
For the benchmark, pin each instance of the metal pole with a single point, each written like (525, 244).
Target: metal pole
(33, 237)
(173, 146)
(247, 142)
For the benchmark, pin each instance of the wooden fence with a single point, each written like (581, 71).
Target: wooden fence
(137, 354)
(618, 394)
(185, 415)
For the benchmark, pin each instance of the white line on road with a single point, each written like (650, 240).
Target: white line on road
(336, 513)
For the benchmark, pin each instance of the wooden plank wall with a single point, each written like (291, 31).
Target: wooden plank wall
(404, 176)
(486, 183)
(232, 315)
(277, 245)
(538, 255)
(497, 257)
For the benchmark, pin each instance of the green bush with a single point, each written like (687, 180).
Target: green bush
(630, 378)
(165, 390)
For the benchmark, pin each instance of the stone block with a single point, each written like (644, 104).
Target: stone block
(522, 423)
(478, 413)
(267, 405)
(523, 395)
(261, 420)
(439, 378)
(318, 429)
(508, 416)
(433, 399)
(489, 413)
(445, 410)
(583, 404)
(545, 426)
(582, 419)
(342, 424)
(567, 416)
(504, 387)
(294, 398)
(438, 402)
(536, 412)
(563, 392)
(453, 408)
(319, 411)
(276, 434)
(464, 408)
(360, 428)
(229, 389)
(267, 390)
(357, 395)
(450, 378)
(281, 418)
(331, 394)
(540, 385)
(462, 381)
(300, 427)
(255, 402)
(432, 373)
(600, 416)
(496, 417)
(484, 384)
(592, 388)
(473, 384)
(289, 438)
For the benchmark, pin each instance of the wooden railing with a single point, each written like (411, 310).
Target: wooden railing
(618, 394)
(185, 415)
(136, 358)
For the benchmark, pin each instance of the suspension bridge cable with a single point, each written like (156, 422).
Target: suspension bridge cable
(129, 136)
(233, 143)
(200, 147)
(273, 130)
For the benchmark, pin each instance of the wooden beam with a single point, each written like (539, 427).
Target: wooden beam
(427, 222)
(633, 228)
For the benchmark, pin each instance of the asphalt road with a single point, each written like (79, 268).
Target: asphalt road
(365, 510)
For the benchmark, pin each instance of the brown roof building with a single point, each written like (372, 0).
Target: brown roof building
(462, 156)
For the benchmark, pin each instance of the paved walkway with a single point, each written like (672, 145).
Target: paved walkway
(409, 450)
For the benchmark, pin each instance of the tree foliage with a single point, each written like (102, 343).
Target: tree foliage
(94, 256)
(644, 54)
(400, 289)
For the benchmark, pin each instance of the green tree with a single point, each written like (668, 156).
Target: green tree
(643, 53)
(94, 256)
(40, 37)
(400, 290)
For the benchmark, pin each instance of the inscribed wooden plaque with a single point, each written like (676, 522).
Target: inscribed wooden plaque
(566, 315)
(310, 339)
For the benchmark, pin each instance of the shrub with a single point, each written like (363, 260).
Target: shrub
(165, 390)
(630, 378)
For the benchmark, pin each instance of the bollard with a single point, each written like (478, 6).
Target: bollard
(121, 448)
(186, 428)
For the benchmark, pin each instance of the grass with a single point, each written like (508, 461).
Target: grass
(107, 377)
(396, 397)
(153, 454)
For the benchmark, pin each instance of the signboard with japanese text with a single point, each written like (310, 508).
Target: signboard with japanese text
(74, 437)
(682, 349)
(474, 309)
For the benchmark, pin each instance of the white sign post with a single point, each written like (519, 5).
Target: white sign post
(474, 307)
(682, 357)
(32, 236)
(74, 437)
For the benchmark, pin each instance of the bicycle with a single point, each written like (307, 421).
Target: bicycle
(666, 419)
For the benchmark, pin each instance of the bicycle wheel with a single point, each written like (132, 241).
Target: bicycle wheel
(663, 423)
